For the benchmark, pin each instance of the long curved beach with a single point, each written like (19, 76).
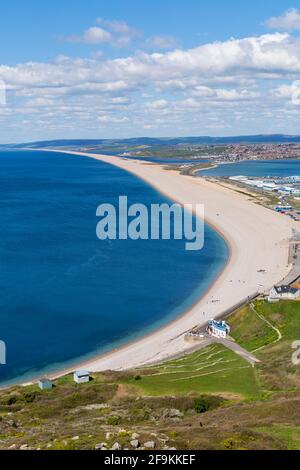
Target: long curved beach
(258, 239)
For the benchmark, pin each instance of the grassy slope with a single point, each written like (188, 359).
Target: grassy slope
(214, 369)
(276, 372)
(248, 408)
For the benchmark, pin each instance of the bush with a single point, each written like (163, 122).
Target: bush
(29, 397)
(113, 420)
(11, 400)
(201, 405)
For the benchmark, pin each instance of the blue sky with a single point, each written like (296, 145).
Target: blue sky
(99, 69)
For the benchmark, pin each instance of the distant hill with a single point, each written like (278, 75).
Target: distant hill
(202, 140)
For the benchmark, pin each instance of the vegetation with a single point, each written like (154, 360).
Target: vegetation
(213, 369)
(210, 399)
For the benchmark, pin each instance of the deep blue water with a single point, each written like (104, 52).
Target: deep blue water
(256, 168)
(66, 295)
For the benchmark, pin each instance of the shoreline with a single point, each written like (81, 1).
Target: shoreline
(168, 340)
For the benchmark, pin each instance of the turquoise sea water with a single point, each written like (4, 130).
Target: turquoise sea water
(256, 168)
(64, 294)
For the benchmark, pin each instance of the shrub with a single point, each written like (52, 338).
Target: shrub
(11, 400)
(113, 420)
(29, 397)
(201, 405)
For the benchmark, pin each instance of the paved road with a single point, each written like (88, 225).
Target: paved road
(237, 349)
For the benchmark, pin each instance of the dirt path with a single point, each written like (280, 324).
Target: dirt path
(277, 331)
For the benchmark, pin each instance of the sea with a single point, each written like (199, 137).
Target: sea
(263, 168)
(66, 296)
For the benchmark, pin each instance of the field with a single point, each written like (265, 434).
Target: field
(214, 369)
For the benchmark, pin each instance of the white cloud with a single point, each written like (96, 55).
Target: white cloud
(158, 104)
(178, 91)
(116, 33)
(288, 21)
(94, 35)
(112, 119)
(119, 27)
(161, 42)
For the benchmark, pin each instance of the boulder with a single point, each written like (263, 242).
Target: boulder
(149, 445)
(116, 446)
(172, 413)
(24, 447)
(135, 443)
(101, 446)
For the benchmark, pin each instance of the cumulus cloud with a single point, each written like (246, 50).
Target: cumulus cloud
(180, 89)
(116, 33)
(288, 21)
(93, 35)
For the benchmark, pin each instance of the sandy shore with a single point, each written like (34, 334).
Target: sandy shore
(258, 239)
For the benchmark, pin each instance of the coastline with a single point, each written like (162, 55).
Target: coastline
(168, 340)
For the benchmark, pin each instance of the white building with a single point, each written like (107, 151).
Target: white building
(284, 293)
(45, 384)
(81, 376)
(219, 329)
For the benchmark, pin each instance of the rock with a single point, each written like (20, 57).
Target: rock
(100, 406)
(24, 447)
(172, 413)
(102, 446)
(75, 438)
(149, 445)
(108, 436)
(13, 447)
(135, 436)
(116, 446)
(135, 443)
(172, 448)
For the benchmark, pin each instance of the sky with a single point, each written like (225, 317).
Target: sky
(116, 69)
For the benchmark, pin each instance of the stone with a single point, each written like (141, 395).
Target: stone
(116, 446)
(135, 443)
(75, 438)
(149, 445)
(101, 446)
(24, 447)
(100, 406)
(135, 436)
(172, 413)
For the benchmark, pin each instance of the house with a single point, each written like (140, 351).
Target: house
(283, 293)
(219, 329)
(45, 384)
(81, 376)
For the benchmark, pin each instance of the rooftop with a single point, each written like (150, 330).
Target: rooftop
(285, 290)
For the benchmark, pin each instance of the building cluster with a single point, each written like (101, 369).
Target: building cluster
(286, 186)
(240, 152)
